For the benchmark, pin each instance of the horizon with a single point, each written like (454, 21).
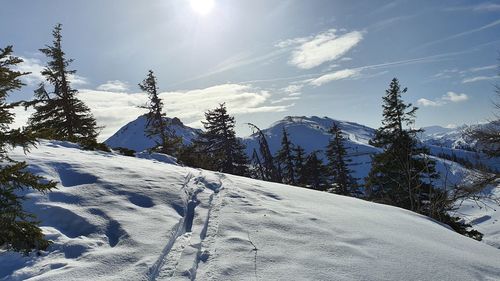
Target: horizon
(267, 60)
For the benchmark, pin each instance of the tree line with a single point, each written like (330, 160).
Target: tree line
(401, 175)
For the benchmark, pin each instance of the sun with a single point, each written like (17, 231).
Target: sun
(203, 7)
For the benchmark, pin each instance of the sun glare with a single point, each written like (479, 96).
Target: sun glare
(203, 7)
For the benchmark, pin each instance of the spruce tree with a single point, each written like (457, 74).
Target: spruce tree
(270, 171)
(285, 157)
(220, 142)
(298, 163)
(401, 175)
(314, 172)
(338, 163)
(157, 126)
(59, 114)
(257, 171)
(19, 229)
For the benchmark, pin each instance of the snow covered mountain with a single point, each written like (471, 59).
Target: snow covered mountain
(311, 133)
(447, 137)
(123, 218)
(132, 135)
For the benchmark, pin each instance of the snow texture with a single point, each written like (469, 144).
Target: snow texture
(123, 218)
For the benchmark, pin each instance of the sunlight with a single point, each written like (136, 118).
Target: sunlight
(203, 7)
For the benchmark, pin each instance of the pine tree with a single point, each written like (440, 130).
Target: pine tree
(338, 163)
(157, 127)
(401, 175)
(298, 163)
(257, 171)
(220, 142)
(19, 229)
(314, 172)
(270, 171)
(59, 114)
(285, 157)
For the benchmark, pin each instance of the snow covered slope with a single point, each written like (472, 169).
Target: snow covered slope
(121, 218)
(132, 135)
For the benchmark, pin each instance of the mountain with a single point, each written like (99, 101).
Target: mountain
(123, 218)
(132, 135)
(312, 134)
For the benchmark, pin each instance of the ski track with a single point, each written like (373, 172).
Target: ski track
(193, 236)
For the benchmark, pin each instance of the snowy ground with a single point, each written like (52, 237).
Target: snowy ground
(122, 218)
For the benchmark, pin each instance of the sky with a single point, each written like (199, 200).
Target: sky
(266, 59)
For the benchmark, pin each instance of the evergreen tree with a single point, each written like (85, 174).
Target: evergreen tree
(257, 172)
(314, 172)
(219, 141)
(298, 163)
(338, 163)
(59, 114)
(157, 126)
(19, 229)
(285, 157)
(400, 175)
(270, 171)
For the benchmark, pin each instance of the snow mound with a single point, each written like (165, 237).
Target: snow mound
(132, 135)
(124, 218)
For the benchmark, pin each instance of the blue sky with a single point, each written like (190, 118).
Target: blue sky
(266, 58)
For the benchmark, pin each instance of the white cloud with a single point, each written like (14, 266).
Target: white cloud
(113, 86)
(310, 52)
(337, 75)
(478, 78)
(285, 99)
(77, 80)
(114, 110)
(454, 97)
(426, 102)
(35, 66)
(445, 99)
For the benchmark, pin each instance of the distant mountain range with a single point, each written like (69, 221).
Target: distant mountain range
(312, 134)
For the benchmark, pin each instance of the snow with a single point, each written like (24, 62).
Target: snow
(132, 135)
(124, 218)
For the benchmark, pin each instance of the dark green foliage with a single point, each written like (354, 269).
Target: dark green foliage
(219, 144)
(402, 175)
(257, 171)
(59, 114)
(157, 126)
(19, 230)
(338, 162)
(285, 159)
(125, 151)
(269, 169)
(314, 173)
(298, 163)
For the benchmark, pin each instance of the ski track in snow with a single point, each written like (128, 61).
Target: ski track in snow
(193, 237)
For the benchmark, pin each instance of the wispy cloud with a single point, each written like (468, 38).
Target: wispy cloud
(449, 97)
(458, 35)
(309, 52)
(483, 7)
(114, 86)
(482, 68)
(478, 78)
(337, 75)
